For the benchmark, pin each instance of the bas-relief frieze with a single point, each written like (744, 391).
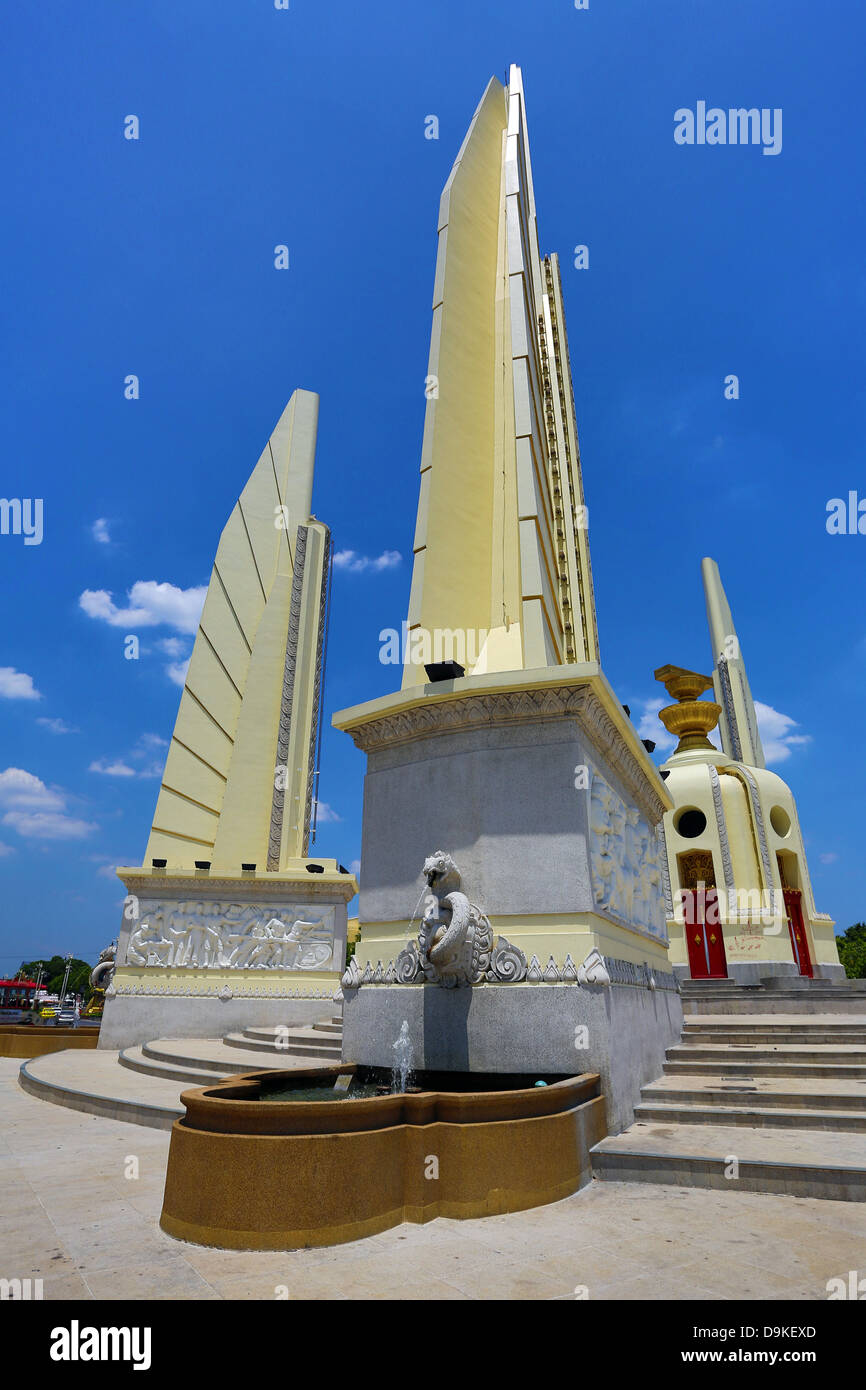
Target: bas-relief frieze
(626, 856)
(232, 936)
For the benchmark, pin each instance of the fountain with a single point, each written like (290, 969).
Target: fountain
(368, 1146)
(402, 1070)
(246, 1172)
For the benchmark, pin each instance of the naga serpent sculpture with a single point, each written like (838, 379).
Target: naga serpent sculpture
(455, 939)
(103, 970)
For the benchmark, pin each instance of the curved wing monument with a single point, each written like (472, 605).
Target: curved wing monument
(228, 919)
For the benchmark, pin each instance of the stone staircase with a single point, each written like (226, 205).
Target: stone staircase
(198, 1061)
(782, 1094)
(786, 994)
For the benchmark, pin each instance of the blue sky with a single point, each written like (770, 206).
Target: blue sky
(305, 127)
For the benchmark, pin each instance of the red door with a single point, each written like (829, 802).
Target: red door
(704, 937)
(799, 941)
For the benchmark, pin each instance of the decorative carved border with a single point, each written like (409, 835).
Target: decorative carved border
(149, 989)
(728, 702)
(621, 972)
(666, 872)
(721, 824)
(759, 823)
(312, 886)
(287, 698)
(515, 707)
(317, 686)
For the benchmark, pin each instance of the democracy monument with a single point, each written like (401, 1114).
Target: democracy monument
(555, 938)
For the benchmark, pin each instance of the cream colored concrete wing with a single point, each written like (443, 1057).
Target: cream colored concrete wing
(244, 741)
(739, 722)
(501, 548)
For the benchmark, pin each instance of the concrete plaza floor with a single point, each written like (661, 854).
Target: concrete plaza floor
(70, 1216)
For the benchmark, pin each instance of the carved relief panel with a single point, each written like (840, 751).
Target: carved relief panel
(232, 936)
(626, 854)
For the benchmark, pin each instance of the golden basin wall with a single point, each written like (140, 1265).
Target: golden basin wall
(283, 1190)
(33, 1041)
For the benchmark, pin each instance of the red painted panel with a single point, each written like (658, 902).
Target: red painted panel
(797, 929)
(704, 938)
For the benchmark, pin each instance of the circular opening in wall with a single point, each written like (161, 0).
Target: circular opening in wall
(690, 823)
(780, 821)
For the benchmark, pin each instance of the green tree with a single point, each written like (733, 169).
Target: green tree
(53, 971)
(851, 945)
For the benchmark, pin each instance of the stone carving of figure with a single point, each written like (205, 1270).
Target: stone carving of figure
(201, 946)
(310, 954)
(148, 946)
(276, 940)
(625, 863)
(200, 935)
(248, 945)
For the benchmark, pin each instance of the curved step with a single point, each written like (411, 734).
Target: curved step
(270, 1033)
(298, 1042)
(207, 1054)
(99, 1089)
(135, 1059)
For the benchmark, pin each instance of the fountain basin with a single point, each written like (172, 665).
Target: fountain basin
(251, 1174)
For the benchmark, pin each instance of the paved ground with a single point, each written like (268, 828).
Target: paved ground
(69, 1215)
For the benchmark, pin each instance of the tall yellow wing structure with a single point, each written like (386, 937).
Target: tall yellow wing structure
(501, 546)
(238, 781)
(738, 724)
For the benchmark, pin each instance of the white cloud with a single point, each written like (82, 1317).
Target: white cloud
(150, 605)
(115, 769)
(36, 811)
(146, 745)
(651, 727)
(149, 743)
(177, 671)
(5, 850)
(354, 563)
(776, 737)
(324, 814)
(57, 726)
(99, 531)
(15, 685)
(172, 646)
(107, 865)
(355, 867)
(828, 858)
(47, 825)
(21, 790)
(177, 648)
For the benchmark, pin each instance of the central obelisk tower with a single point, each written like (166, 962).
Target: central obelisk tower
(515, 770)
(501, 542)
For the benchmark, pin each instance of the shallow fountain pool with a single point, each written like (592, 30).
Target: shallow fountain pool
(274, 1160)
